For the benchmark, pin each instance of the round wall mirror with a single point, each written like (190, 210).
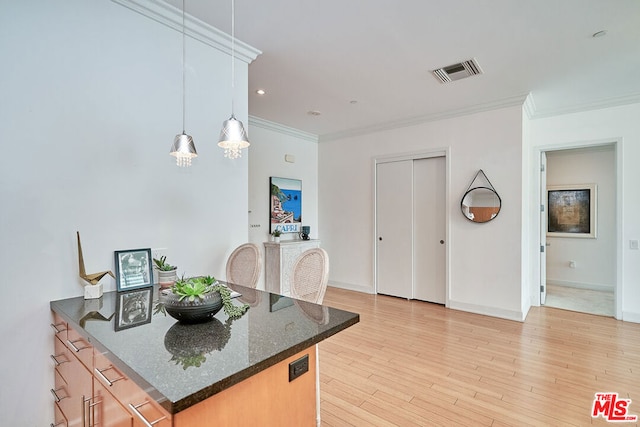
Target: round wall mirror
(480, 204)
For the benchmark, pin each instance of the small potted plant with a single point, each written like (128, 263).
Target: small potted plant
(167, 273)
(276, 235)
(198, 299)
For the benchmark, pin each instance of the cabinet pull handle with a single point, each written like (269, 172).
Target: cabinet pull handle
(134, 408)
(55, 328)
(55, 395)
(105, 379)
(92, 411)
(56, 360)
(59, 423)
(76, 349)
(85, 402)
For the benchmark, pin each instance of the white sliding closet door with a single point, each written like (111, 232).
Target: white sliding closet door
(429, 229)
(394, 230)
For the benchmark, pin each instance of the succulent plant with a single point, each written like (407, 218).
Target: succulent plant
(194, 288)
(162, 265)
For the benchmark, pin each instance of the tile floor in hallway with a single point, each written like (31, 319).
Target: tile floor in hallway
(582, 300)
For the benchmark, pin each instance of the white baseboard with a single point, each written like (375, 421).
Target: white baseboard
(487, 311)
(352, 287)
(630, 316)
(589, 286)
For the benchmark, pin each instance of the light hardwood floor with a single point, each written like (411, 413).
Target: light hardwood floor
(410, 363)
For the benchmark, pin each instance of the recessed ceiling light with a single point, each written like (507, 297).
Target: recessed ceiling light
(600, 33)
(314, 113)
(260, 92)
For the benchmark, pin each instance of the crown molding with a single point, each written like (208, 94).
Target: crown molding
(171, 17)
(276, 127)
(596, 105)
(417, 120)
(529, 106)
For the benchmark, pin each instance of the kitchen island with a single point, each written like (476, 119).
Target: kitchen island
(258, 368)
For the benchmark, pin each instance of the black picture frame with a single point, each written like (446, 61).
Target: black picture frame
(134, 269)
(133, 308)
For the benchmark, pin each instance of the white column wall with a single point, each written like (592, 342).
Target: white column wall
(484, 259)
(270, 142)
(91, 101)
(616, 124)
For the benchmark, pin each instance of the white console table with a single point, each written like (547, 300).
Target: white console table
(279, 259)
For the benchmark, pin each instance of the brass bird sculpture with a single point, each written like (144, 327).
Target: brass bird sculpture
(93, 278)
(94, 315)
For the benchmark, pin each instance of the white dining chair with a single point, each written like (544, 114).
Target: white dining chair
(244, 265)
(309, 283)
(310, 275)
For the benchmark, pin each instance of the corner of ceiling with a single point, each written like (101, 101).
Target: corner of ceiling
(171, 17)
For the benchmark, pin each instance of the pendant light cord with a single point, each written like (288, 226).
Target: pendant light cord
(183, 70)
(233, 51)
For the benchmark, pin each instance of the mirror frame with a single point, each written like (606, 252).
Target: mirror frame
(482, 188)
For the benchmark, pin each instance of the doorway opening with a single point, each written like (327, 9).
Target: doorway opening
(578, 270)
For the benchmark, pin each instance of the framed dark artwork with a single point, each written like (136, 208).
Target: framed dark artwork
(572, 211)
(133, 269)
(133, 308)
(285, 205)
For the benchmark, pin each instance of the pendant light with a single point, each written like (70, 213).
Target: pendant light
(233, 137)
(183, 148)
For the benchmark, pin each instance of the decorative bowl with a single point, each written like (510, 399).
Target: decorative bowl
(196, 311)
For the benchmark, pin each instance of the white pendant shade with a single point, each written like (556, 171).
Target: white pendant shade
(183, 149)
(233, 138)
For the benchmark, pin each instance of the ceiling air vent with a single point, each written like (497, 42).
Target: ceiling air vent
(457, 71)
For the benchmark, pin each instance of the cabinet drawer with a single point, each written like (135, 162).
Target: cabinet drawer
(129, 394)
(105, 409)
(73, 393)
(59, 326)
(80, 347)
(58, 418)
(62, 358)
(62, 395)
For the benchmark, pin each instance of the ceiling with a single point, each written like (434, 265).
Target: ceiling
(366, 64)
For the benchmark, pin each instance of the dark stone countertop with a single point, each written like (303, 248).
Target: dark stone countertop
(180, 365)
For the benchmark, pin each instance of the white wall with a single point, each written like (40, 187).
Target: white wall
(620, 125)
(484, 259)
(595, 259)
(270, 142)
(91, 102)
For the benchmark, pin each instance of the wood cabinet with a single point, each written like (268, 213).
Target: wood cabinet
(279, 260)
(106, 410)
(73, 387)
(105, 397)
(90, 392)
(265, 399)
(135, 400)
(105, 377)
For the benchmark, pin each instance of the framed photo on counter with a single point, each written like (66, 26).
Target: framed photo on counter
(133, 269)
